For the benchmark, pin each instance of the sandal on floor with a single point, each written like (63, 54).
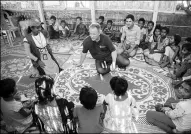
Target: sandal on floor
(34, 76)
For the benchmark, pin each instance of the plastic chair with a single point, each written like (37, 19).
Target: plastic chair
(8, 29)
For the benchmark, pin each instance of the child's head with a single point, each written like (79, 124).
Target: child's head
(150, 25)
(188, 40)
(101, 19)
(164, 31)
(119, 85)
(157, 30)
(78, 20)
(88, 97)
(8, 87)
(43, 87)
(52, 19)
(175, 39)
(130, 20)
(63, 23)
(184, 89)
(186, 48)
(109, 23)
(141, 22)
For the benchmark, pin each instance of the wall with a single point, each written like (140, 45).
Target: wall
(116, 10)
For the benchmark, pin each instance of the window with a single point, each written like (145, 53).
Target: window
(183, 5)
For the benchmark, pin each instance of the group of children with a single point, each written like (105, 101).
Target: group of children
(59, 115)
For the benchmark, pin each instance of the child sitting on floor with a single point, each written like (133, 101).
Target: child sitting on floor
(109, 29)
(148, 39)
(180, 70)
(141, 24)
(17, 117)
(171, 51)
(89, 115)
(120, 106)
(80, 31)
(63, 29)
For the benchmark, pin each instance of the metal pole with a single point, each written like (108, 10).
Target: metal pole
(41, 13)
(155, 11)
(92, 6)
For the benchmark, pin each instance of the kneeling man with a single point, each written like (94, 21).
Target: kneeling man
(102, 50)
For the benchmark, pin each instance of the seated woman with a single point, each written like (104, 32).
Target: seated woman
(171, 51)
(177, 117)
(159, 47)
(64, 30)
(16, 116)
(37, 48)
(55, 113)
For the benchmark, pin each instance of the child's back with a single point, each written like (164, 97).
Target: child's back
(121, 105)
(89, 120)
(119, 113)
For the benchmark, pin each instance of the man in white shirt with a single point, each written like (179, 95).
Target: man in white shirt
(53, 28)
(130, 38)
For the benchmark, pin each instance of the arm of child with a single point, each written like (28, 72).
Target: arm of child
(177, 112)
(84, 31)
(135, 110)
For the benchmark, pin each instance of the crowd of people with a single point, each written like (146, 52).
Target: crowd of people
(52, 114)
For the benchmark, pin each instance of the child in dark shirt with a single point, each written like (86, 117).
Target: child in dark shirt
(64, 30)
(80, 31)
(89, 115)
(109, 29)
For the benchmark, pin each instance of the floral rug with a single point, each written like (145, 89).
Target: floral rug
(146, 83)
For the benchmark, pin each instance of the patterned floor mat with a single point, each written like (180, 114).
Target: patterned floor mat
(145, 83)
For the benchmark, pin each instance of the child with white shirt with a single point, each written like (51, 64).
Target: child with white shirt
(63, 29)
(120, 106)
(53, 28)
(17, 116)
(177, 117)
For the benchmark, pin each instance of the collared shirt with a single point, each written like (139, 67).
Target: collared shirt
(132, 35)
(100, 50)
(181, 115)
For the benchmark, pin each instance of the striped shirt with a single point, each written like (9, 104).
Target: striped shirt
(181, 115)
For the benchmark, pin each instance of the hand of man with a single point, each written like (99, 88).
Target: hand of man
(41, 64)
